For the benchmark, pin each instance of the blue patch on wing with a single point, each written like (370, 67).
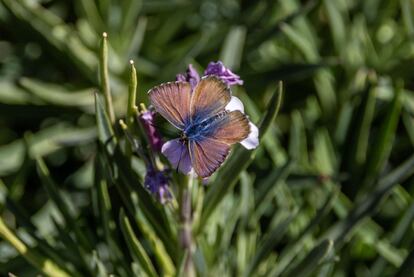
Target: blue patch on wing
(203, 128)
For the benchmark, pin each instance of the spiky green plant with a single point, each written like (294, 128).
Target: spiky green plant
(328, 192)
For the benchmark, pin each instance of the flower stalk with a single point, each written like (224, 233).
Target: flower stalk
(132, 95)
(185, 235)
(103, 64)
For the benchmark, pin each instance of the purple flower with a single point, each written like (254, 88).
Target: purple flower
(213, 68)
(218, 69)
(191, 76)
(147, 120)
(157, 183)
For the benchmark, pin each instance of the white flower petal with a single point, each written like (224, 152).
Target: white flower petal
(235, 104)
(252, 141)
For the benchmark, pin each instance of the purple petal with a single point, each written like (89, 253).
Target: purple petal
(180, 77)
(154, 138)
(218, 69)
(157, 183)
(252, 141)
(177, 153)
(191, 75)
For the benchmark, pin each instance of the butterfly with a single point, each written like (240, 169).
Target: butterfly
(210, 119)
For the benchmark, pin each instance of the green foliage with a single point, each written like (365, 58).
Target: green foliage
(329, 192)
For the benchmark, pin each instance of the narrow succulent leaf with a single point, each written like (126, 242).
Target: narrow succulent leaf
(105, 132)
(406, 10)
(395, 237)
(324, 154)
(367, 206)
(407, 268)
(270, 141)
(314, 258)
(408, 121)
(161, 255)
(137, 39)
(11, 94)
(43, 264)
(337, 24)
(61, 203)
(365, 115)
(127, 182)
(383, 144)
(269, 184)
(65, 41)
(108, 224)
(98, 266)
(137, 250)
(291, 250)
(57, 95)
(76, 256)
(297, 145)
(232, 50)
(227, 177)
(92, 12)
(46, 141)
(44, 246)
(270, 239)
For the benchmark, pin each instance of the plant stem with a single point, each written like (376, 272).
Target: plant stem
(186, 236)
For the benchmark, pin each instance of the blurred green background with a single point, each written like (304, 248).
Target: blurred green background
(337, 163)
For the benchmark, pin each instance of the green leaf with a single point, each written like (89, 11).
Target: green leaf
(40, 262)
(381, 149)
(314, 258)
(265, 189)
(232, 50)
(46, 141)
(105, 132)
(297, 145)
(368, 205)
(98, 266)
(227, 177)
(108, 224)
(396, 236)
(163, 259)
(132, 192)
(407, 268)
(359, 150)
(297, 245)
(337, 24)
(407, 15)
(134, 246)
(61, 203)
(269, 241)
(57, 95)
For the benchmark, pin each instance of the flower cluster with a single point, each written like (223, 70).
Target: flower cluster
(157, 183)
(147, 120)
